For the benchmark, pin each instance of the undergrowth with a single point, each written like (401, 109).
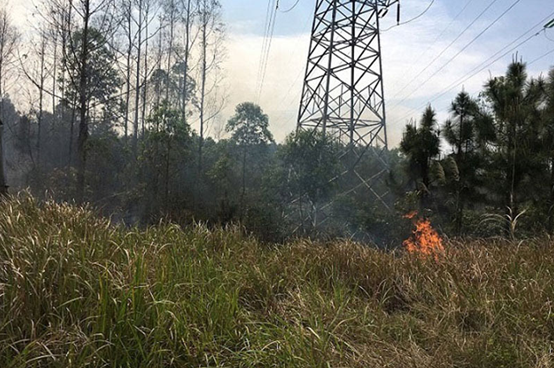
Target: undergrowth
(77, 291)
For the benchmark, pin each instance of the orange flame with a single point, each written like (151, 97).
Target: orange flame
(425, 240)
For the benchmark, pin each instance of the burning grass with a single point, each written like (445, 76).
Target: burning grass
(424, 241)
(76, 291)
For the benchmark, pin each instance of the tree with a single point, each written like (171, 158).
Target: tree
(9, 38)
(312, 159)
(250, 127)
(166, 146)
(421, 145)
(189, 42)
(548, 146)
(515, 101)
(93, 82)
(461, 134)
(211, 33)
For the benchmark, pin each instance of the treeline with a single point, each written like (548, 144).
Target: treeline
(492, 164)
(99, 66)
(120, 111)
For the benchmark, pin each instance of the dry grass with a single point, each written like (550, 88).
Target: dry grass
(76, 291)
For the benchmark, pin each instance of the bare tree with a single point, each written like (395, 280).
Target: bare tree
(171, 11)
(9, 38)
(211, 34)
(140, 26)
(188, 45)
(127, 10)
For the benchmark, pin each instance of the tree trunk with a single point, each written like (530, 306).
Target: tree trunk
(459, 185)
(551, 199)
(71, 134)
(83, 99)
(170, 50)
(511, 209)
(145, 79)
(243, 192)
(137, 85)
(186, 62)
(159, 62)
(167, 162)
(54, 75)
(3, 185)
(128, 71)
(203, 85)
(41, 99)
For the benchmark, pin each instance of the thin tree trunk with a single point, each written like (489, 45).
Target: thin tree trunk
(203, 85)
(128, 71)
(186, 62)
(41, 100)
(166, 196)
(158, 87)
(459, 186)
(137, 85)
(83, 124)
(170, 50)
(71, 133)
(54, 75)
(3, 184)
(145, 79)
(243, 192)
(551, 199)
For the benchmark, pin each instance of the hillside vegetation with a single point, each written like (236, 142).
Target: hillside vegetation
(76, 291)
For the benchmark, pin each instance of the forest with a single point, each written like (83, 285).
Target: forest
(113, 89)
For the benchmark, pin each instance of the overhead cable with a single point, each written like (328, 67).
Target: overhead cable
(486, 64)
(411, 20)
(291, 8)
(430, 46)
(446, 48)
(461, 51)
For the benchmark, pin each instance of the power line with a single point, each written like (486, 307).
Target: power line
(480, 67)
(541, 57)
(430, 46)
(460, 52)
(267, 28)
(446, 48)
(411, 20)
(268, 12)
(268, 48)
(291, 8)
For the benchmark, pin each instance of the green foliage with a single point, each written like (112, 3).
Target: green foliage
(421, 145)
(312, 157)
(166, 147)
(102, 78)
(249, 125)
(515, 101)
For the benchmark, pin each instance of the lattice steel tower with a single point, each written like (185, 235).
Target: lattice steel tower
(343, 92)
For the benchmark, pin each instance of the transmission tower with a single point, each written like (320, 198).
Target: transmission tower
(343, 94)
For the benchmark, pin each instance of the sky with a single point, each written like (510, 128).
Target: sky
(406, 51)
(416, 49)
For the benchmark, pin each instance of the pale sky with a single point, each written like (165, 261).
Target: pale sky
(406, 51)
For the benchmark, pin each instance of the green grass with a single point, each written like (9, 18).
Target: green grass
(76, 291)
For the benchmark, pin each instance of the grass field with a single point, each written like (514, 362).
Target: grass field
(76, 291)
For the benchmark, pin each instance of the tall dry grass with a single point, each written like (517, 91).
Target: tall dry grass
(76, 291)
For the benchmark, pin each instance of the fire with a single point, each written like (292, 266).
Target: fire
(424, 240)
